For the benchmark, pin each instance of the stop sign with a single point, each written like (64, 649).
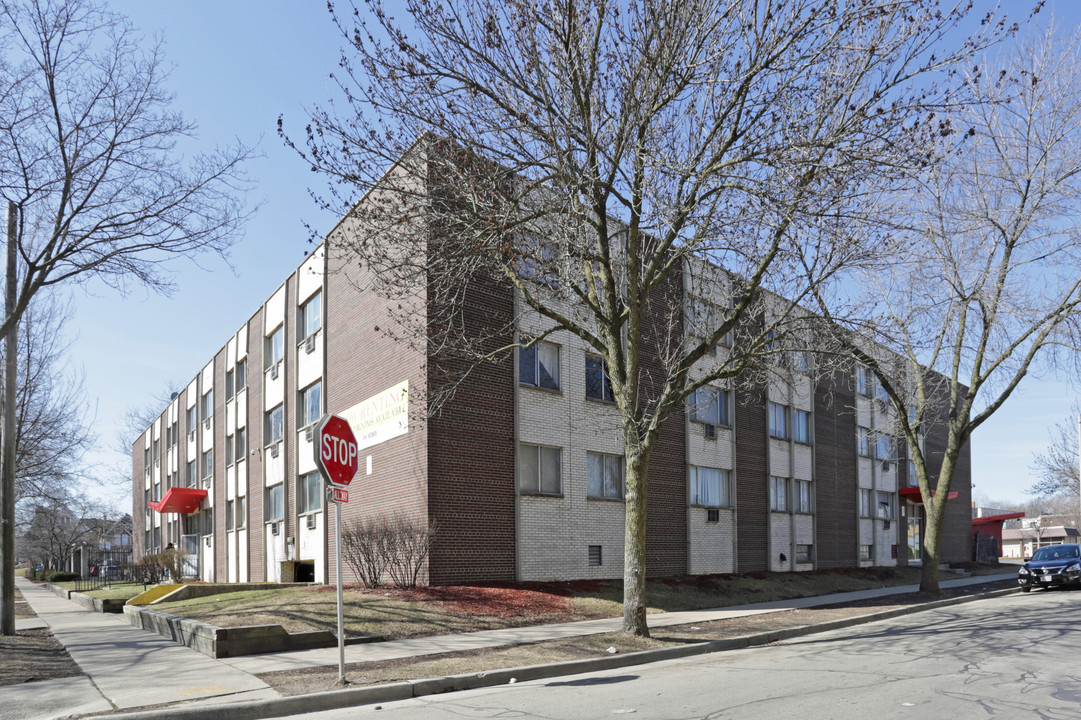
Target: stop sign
(336, 453)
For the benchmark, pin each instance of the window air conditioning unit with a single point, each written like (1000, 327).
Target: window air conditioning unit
(206, 423)
(191, 436)
(206, 541)
(885, 466)
(274, 450)
(710, 431)
(309, 432)
(309, 344)
(275, 528)
(274, 371)
(206, 482)
(311, 521)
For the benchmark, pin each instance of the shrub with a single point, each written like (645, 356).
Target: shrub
(172, 561)
(60, 576)
(398, 548)
(148, 571)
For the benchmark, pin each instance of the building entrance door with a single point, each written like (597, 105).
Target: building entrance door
(190, 545)
(915, 540)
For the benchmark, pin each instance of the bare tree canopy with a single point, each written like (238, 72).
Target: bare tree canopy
(1057, 466)
(53, 419)
(604, 159)
(90, 153)
(985, 279)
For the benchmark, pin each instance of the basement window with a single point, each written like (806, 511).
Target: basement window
(595, 555)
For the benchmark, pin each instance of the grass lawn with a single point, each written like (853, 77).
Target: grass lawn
(109, 592)
(400, 613)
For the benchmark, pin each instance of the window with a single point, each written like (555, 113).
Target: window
(594, 555)
(865, 553)
(309, 493)
(598, 384)
(863, 442)
(709, 486)
(173, 434)
(241, 372)
(241, 440)
(192, 420)
(604, 476)
(863, 380)
(208, 521)
(275, 503)
(230, 514)
(157, 452)
(539, 366)
(778, 421)
(274, 429)
(310, 408)
(275, 347)
(885, 505)
(801, 361)
(710, 405)
(865, 503)
(192, 475)
(241, 512)
(207, 408)
(539, 260)
(880, 393)
(801, 426)
(802, 496)
(311, 316)
(884, 448)
(778, 494)
(230, 449)
(539, 469)
(208, 463)
(230, 380)
(703, 319)
(804, 553)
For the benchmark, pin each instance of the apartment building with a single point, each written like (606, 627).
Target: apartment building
(521, 471)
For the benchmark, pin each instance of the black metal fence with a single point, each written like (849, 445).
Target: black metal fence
(112, 568)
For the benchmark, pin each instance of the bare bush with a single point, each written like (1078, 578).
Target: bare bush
(364, 547)
(148, 571)
(397, 547)
(411, 543)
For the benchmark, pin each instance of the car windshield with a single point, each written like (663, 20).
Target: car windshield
(1055, 552)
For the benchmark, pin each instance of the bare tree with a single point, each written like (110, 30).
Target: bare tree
(90, 158)
(1057, 466)
(53, 528)
(53, 419)
(985, 283)
(602, 159)
(89, 154)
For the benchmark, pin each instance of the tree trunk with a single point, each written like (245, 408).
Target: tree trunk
(634, 549)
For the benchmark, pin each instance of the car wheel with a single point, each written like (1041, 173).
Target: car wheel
(1026, 589)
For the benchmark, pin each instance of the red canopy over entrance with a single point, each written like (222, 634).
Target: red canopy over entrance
(913, 494)
(179, 500)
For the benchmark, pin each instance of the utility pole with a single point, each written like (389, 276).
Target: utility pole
(7, 443)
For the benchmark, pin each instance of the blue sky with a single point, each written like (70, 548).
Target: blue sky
(236, 67)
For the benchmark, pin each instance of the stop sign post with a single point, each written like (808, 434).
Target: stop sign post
(336, 456)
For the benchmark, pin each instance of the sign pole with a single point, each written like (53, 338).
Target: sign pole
(338, 573)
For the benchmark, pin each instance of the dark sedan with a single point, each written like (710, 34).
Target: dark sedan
(1051, 566)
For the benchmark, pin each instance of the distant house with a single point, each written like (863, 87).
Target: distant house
(1022, 542)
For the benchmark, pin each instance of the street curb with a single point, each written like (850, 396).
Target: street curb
(337, 699)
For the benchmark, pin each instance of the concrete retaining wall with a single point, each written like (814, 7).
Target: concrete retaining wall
(220, 642)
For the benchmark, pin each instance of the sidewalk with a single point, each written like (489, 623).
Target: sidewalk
(129, 667)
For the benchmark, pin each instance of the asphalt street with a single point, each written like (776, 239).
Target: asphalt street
(1008, 657)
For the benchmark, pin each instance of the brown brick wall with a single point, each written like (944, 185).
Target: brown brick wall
(471, 494)
(256, 550)
(836, 475)
(752, 480)
(666, 505)
(363, 360)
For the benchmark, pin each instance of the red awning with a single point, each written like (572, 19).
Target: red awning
(179, 500)
(912, 494)
(989, 519)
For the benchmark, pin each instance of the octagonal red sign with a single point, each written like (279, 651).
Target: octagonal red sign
(336, 453)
